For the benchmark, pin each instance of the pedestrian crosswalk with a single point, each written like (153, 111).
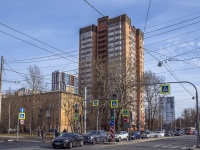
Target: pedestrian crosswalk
(170, 146)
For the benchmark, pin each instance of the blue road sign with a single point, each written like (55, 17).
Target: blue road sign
(112, 122)
(22, 110)
(21, 116)
(165, 89)
(114, 104)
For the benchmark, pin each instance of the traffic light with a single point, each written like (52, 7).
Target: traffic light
(76, 111)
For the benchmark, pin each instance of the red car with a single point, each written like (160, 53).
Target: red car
(189, 132)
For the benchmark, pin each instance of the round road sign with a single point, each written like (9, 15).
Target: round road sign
(21, 121)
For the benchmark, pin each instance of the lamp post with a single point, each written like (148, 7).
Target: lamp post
(197, 102)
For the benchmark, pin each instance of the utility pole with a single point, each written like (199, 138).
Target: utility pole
(85, 113)
(1, 72)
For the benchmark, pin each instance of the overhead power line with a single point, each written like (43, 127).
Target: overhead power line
(172, 30)
(36, 46)
(34, 38)
(172, 25)
(147, 15)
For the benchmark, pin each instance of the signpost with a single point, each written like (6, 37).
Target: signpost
(125, 112)
(114, 104)
(21, 117)
(125, 119)
(165, 89)
(95, 103)
(21, 122)
(112, 123)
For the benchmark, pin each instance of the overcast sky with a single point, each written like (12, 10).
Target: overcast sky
(171, 33)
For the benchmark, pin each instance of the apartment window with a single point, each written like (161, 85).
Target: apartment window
(111, 25)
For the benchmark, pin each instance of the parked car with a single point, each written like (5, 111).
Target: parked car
(169, 133)
(121, 135)
(195, 132)
(189, 132)
(178, 133)
(67, 140)
(159, 134)
(146, 134)
(94, 136)
(135, 135)
(12, 130)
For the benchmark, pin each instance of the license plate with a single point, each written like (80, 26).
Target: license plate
(57, 143)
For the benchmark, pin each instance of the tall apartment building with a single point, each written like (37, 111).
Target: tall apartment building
(112, 40)
(65, 82)
(167, 110)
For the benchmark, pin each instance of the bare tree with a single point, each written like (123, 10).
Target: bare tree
(188, 116)
(35, 82)
(152, 94)
(35, 79)
(115, 78)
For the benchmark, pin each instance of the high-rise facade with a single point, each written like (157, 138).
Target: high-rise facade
(65, 82)
(167, 110)
(115, 43)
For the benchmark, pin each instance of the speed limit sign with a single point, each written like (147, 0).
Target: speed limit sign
(21, 121)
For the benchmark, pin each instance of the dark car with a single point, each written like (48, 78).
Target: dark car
(94, 136)
(69, 140)
(178, 133)
(135, 135)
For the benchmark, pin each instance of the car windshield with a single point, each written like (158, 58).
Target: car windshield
(158, 132)
(117, 132)
(91, 132)
(135, 132)
(66, 135)
(147, 132)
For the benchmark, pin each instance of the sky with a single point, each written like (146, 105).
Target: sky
(46, 33)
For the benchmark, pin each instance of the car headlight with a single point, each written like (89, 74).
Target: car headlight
(52, 140)
(65, 141)
(90, 137)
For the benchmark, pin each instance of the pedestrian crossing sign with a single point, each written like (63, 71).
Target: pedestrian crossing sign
(95, 103)
(21, 116)
(114, 104)
(125, 112)
(165, 89)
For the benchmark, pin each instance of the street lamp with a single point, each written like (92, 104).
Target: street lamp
(197, 103)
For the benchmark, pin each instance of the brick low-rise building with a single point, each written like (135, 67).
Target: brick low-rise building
(42, 110)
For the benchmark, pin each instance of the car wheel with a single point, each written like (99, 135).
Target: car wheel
(104, 140)
(70, 145)
(119, 140)
(93, 141)
(54, 146)
(81, 143)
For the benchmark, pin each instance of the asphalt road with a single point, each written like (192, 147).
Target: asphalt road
(176, 143)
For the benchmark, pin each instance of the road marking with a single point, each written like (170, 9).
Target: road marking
(184, 147)
(175, 147)
(158, 145)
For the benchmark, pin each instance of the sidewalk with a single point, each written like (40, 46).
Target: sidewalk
(21, 138)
